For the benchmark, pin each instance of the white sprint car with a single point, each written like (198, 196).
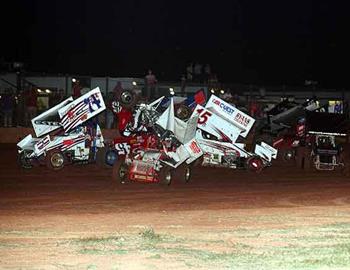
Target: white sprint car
(66, 133)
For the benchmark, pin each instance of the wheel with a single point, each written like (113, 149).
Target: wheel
(55, 160)
(23, 160)
(254, 164)
(111, 157)
(187, 174)
(127, 99)
(288, 154)
(304, 159)
(344, 157)
(183, 173)
(197, 162)
(345, 169)
(165, 176)
(308, 162)
(183, 112)
(120, 172)
(100, 156)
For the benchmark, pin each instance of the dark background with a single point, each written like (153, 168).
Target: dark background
(253, 41)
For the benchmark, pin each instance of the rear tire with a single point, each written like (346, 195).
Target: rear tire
(254, 164)
(183, 112)
(127, 99)
(287, 155)
(100, 156)
(120, 173)
(345, 159)
(183, 173)
(111, 157)
(55, 160)
(304, 160)
(165, 176)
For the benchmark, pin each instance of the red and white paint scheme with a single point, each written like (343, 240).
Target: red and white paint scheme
(64, 128)
(219, 126)
(231, 114)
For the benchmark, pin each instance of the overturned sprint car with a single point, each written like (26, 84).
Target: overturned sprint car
(171, 155)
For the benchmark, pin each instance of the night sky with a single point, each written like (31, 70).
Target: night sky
(253, 41)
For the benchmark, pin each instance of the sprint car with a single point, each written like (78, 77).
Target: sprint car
(67, 133)
(324, 143)
(174, 151)
(219, 127)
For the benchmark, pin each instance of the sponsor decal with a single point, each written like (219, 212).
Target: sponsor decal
(43, 143)
(122, 148)
(229, 110)
(143, 168)
(241, 119)
(195, 148)
(80, 111)
(93, 102)
(68, 142)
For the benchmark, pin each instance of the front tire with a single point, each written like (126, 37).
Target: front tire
(23, 160)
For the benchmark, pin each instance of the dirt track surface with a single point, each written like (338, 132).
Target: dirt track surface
(49, 218)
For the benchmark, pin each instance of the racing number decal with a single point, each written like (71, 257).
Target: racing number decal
(122, 148)
(203, 116)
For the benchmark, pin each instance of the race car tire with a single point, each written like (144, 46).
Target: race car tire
(308, 162)
(100, 156)
(127, 99)
(344, 157)
(303, 158)
(23, 161)
(254, 164)
(165, 176)
(120, 172)
(183, 173)
(55, 160)
(183, 112)
(111, 157)
(286, 154)
(198, 162)
(345, 170)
